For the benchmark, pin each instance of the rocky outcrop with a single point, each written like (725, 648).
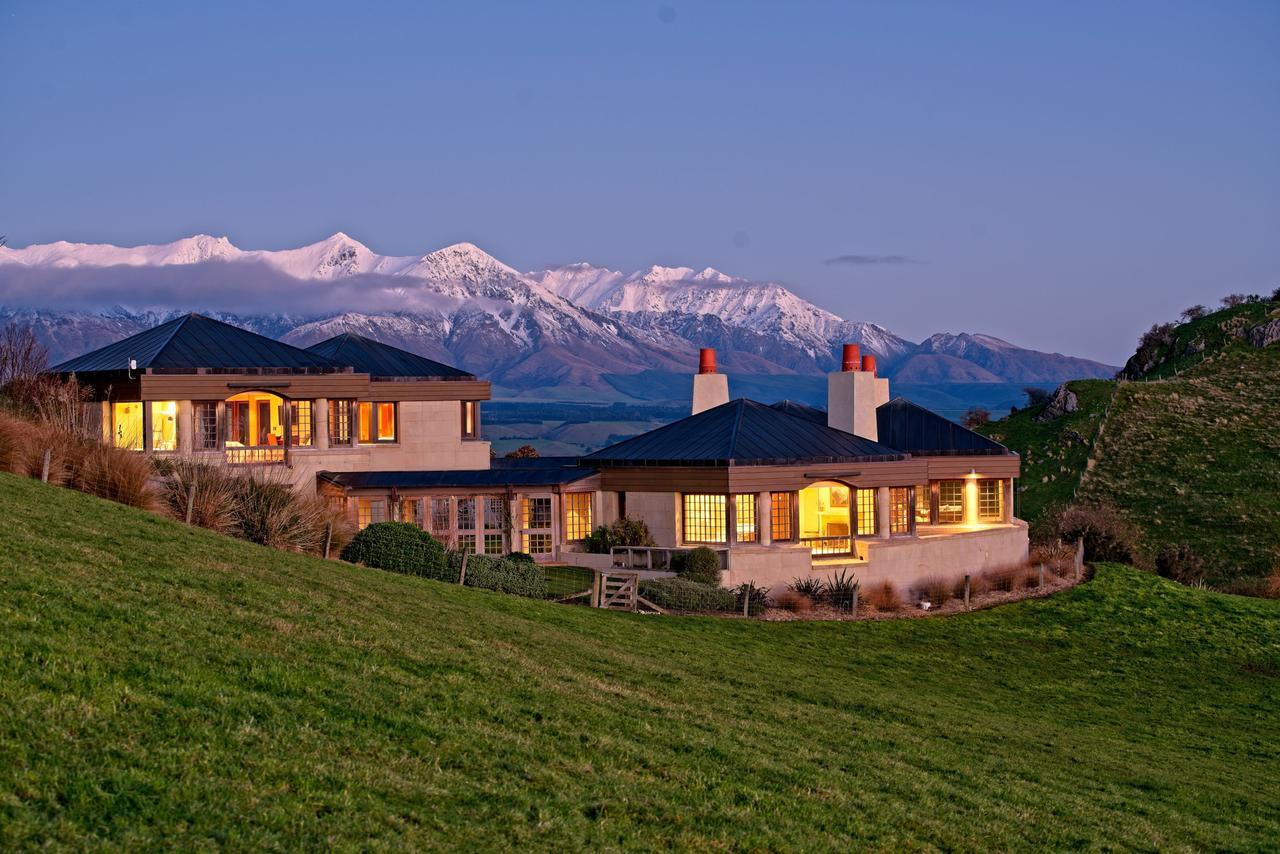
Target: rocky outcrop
(1265, 334)
(1064, 400)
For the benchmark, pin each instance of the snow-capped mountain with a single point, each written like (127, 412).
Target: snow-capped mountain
(564, 327)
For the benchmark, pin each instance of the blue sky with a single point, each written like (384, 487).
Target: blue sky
(1059, 174)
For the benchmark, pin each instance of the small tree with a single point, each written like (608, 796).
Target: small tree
(1180, 563)
(523, 452)
(976, 417)
(1037, 396)
(1195, 312)
(703, 566)
(1233, 300)
(1107, 535)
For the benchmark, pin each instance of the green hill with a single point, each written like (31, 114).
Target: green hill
(163, 686)
(1189, 449)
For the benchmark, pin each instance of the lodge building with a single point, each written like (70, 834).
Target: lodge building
(879, 487)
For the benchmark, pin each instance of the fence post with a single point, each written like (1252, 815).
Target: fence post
(966, 591)
(1079, 560)
(44, 467)
(1042, 575)
(746, 602)
(854, 605)
(462, 573)
(191, 502)
(328, 539)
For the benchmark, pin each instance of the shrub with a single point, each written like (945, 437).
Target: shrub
(623, 532)
(884, 597)
(1195, 312)
(1107, 535)
(522, 578)
(681, 594)
(1056, 555)
(754, 599)
(521, 557)
(703, 566)
(934, 589)
(114, 474)
(1037, 396)
(842, 588)
(1180, 563)
(398, 547)
(976, 416)
(810, 587)
(215, 497)
(795, 602)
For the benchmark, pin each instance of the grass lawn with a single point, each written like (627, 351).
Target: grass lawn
(164, 686)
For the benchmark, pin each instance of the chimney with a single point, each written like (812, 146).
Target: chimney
(709, 388)
(854, 392)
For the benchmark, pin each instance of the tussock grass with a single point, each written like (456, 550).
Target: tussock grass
(167, 687)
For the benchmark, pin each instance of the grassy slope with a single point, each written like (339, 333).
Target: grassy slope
(1196, 459)
(163, 685)
(1054, 452)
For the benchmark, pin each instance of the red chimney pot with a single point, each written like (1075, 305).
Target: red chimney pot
(869, 364)
(706, 360)
(849, 359)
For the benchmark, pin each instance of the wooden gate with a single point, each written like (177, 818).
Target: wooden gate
(617, 590)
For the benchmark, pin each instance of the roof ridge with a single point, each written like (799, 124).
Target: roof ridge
(737, 424)
(180, 322)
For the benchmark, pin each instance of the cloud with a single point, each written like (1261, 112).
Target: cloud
(863, 260)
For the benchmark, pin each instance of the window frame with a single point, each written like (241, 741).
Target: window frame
(341, 410)
(574, 530)
(376, 422)
(750, 532)
(902, 511)
(708, 500)
(782, 511)
(471, 407)
(153, 427)
(302, 413)
(123, 442)
(983, 500)
(865, 498)
(946, 517)
(200, 441)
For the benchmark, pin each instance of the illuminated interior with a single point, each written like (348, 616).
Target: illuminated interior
(824, 510)
(704, 519)
(164, 425)
(255, 419)
(126, 425)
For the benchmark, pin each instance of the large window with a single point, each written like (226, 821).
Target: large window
(781, 516)
(369, 511)
(991, 500)
(376, 422)
(704, 519)
(466, 514)
(467, 544)
(535, 522)
(867, 526)
(493, 544)
(824, 514)
(470, 419)
(340, 422)
(205, 414)
(495, 513)
(744, 517)
(301, 424)
(440, 518)
(577, 516)
(164, 425)
(924, 504)
(951, 501)
(126, 425)
(900, 513)
(255, 419)
(411, 511)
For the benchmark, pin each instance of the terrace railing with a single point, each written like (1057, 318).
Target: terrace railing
(270, 455)
(828, 545)
(656, 558)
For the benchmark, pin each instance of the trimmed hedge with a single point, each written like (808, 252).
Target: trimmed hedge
(703, 566)
(681, 594)
(398, 547)
(522, 578)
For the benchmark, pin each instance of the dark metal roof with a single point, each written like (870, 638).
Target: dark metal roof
(194, 341)
(801, 410)
(741, 432)
(912, 428)
(382, 361)
(502, 476)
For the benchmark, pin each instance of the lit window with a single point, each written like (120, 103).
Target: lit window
(704, 519)
(164, 425)
(535, 513)
(206, 424)
(744, 514)
(493, 544)
(537, 544)
(126, 425)
(470, 419)
(364, 423)
(440, 516)
(899, 510)
(495, 513)
(923, 503)
(467, 544)
(991, 500)
(411, 511)
(301, 426)
(466, 514)
(867, 526)
(951, 501)
(781, 511)
(370, 511)
(339, 422)
(577, 516)
(386, 422)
